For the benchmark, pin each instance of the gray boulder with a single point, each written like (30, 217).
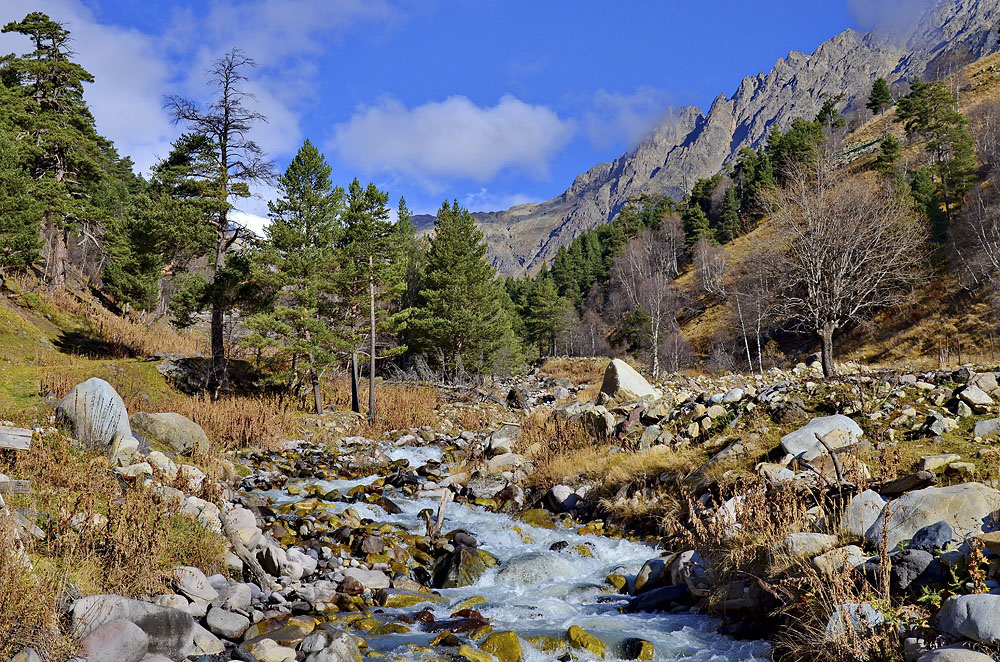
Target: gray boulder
(226, 623)
(659, 599)
(328, 644)
(99, 418)
(193, 583)
(115, 641)
(976, 398)
(950, 654)
(179, 433)
(170, 631)
(861, 513)
(837, 431)
(933, 538)
(807, 544)
(502, 440)
(852, 617)
(534, 567)
(986, 427)
(967, 508)
(975, 617)
(623, 384)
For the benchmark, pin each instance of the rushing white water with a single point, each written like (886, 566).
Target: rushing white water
(541, 592)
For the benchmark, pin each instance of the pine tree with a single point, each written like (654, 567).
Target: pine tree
(461, 314)
(220, 161)
(729, 226)
(545, 314)
(375, 269)
(20, 212)
(890, 154)
(829, 116)
(696, 224)
(62, 147)
(297, 264)
(931, 112)
(880, 98)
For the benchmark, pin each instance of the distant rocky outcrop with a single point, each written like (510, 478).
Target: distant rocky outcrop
(692, 145)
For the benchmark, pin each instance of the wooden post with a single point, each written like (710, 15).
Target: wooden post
(959, 353)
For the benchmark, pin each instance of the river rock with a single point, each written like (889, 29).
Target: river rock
(690, 569)
(623, 384)
(968, 508)
(370, 579)
(654, 573)
(562, 498)
(838, 431)
(580, 639)
(193, 583)
(659, 599)
(502, 440)
(170, 631)
(329, 644)
(976, 398)
(975, 617)
(116, 641)
(599, 421)
(463, 567)
(861, 513)
(852, 616)
(504, 646)
(805, 544)
(835, 560)
(99, 418)
(933, 537)
(226, 623)
(935, 462)
(268, 650)
(950, 654)
(178, 433)
(533, 567)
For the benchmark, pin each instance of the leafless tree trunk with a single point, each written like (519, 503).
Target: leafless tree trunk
(852, 247)
(643, 276)
(710, 262)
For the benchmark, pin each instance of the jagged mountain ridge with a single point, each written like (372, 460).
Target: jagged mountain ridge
(692, 144)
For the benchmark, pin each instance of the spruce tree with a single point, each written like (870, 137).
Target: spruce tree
(729, 225)
(461, 315)
(696, 224)
(297, 264)
(880, 98)
(375, 270)
(545, 314)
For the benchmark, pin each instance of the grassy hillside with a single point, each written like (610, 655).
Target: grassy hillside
(941, 314)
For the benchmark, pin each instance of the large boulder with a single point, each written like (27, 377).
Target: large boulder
(116, 641)
(623, 384)
(170, 631)
(463, 567)
(975, 617)
(174, 431)
(99, 418)
(534, 567)
(951, 654)
(968, 508)
(861, 513)
(837, 431)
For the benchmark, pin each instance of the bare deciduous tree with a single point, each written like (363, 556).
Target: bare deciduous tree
(852, 247)
(753, 303)
(984, 123)
(643, 277)
(710, 262)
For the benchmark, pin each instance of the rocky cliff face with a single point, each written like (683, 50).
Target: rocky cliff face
(692, 145)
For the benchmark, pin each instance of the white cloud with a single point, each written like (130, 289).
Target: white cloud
(615, 119)
(130, 74)
(486, 200)
(895, 17)
(450, 139)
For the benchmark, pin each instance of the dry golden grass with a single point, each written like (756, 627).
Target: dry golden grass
(579, 370)
(29, 614)
(397, 406)
(102, 536)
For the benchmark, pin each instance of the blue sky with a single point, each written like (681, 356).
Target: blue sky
(493, 102)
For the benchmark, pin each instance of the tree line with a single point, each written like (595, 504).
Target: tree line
(335, 277)
(845, 245)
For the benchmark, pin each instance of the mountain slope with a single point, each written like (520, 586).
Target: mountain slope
(693, 145)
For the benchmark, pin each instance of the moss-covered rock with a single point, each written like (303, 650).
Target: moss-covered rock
(637, 649)
(505, 646)
(582, 640)
(474, 655)
(538, 517)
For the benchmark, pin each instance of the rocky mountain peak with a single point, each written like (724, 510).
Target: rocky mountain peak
(690, 145)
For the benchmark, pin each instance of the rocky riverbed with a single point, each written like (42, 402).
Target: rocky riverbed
(434, 544)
